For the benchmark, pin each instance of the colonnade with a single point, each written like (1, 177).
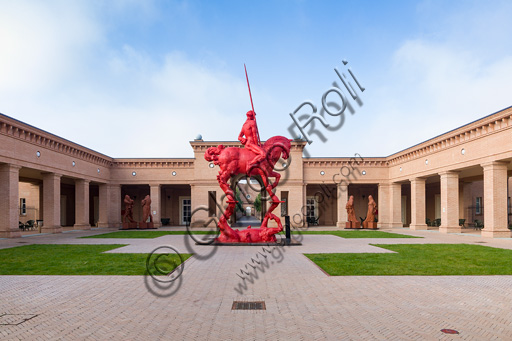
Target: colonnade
(390, 208)
(109, 202)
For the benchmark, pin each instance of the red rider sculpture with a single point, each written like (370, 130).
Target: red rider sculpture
(251, 140)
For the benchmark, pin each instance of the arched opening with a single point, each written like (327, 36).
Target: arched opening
(252, 199)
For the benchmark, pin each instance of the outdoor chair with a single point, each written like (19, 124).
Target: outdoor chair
(478, 224)
(30, 225)
(437, 222)
(462, 222)
(21, 226)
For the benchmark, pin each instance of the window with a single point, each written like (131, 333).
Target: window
(311, 208)
(212, 202)
(478, 206)
(185, 210)
(23, 206)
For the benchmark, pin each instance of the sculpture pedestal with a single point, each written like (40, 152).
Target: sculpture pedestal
(127, 226)
(352, 225)
(144, 225)
(370, 225)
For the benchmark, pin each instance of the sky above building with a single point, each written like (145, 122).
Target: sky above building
(143, 78)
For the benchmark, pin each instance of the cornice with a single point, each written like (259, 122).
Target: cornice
(340, 162)
(153, 163)
(491, 124)
(24, 132)
(200, 146)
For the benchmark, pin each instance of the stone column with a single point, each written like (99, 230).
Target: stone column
(395, 194)
(342, 194)
(449, 202)
(82, 204)
(155, 194)
(104, 204)
(197, 199)
(115, 202)
(418, 217)
(495, 200)
(390, 205)
(384, 206)
(9, 205)
(51, 203)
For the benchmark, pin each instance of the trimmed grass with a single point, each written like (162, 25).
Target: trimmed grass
(145, 234)
(357, 234)
(418, 260)
(73, 260)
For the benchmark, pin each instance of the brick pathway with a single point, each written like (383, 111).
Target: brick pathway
(302, 303)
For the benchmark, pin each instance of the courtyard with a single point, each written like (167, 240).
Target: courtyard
(300, 300)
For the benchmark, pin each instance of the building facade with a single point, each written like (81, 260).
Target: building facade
(462, 177)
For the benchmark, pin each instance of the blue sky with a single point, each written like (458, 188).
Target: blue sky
(143, 78)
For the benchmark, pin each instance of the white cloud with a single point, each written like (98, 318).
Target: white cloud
(57, 75)
(444, 87)
(63, 70)
(440, 82)
(455, 69)
(152, 109)
(42, 42)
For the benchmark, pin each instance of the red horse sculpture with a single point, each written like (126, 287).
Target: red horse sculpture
(233, 161)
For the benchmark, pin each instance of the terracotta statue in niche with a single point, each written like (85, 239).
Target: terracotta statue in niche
(352, 222)
(128, 222)
(370, 215)
(146, 214)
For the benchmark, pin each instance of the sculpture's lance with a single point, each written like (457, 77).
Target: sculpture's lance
(252, 106)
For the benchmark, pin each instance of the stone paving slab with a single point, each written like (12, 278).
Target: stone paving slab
(311, 244)
(302, 302)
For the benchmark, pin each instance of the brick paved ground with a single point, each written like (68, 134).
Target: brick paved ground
(302, 303)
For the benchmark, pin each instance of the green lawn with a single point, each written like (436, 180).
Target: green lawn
(422, 260)
(73, 260)
(357, 234)
(145, 234)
